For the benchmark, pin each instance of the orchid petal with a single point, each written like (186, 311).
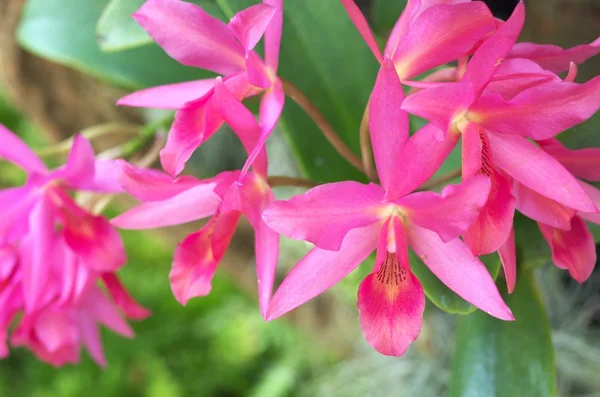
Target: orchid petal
(90, 336)
(117, 291)
(258, 74)
(250, 24)
(583, 163)
(508, 257)
(321, 269)
(106, 313)
(273, 35)
(13, 149)
(516, 75)
(170, 96)
(541, 208)
(325, 214)
(538, 170)
(454, 264)
(267, 254)
(594, 194)
(572, 249)
(80, 167)
(191, 36)
(361, 24)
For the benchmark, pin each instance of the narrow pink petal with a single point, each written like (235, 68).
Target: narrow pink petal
(90, 336)
(146, 184)
(442, 33)
(420, 158)
(516, 75)
(325, 214)
(490, 54)
(474, 142)
(273, 35)
(197, 257)
(583, 163)
(195, 203)
(106, 174)
(258, 73)
(572, 249)
(454, 264)
(390, 305)
(555, 58)
(191, 36)
(17, 204)
(321, 269)
(250, 24)
(572, 74)
(508, 257)
(79, 169)
(541, 208)
(171, 96)
(540, 112)
(594, 195)
(388, 124)
(13, 149)
(117, 291)
(448, 214)
(361, 24)
(106, 313)
(538, 170)
(267, 255)
(401, 26)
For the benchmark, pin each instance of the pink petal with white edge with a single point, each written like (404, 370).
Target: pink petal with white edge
(195, 203)
(321, 269)
(441, 34)
(191, 36)
(250, 24)
(325, 214)
(170, 96)
(197, 257)
(583, 163)
(128, 305)
(540, 112)
(508, 258)
(388, 124)
(574, 249)
(448, 214)
(554, 58)
(13, 149)
(361, 24)
(454, 264)
(420, 158)
(539, 171)
(273, 35)
(541, 208)
(391, 301)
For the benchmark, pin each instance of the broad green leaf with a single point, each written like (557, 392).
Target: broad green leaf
(498, 358)
(442, 296)
(385, 13)
(66, 34)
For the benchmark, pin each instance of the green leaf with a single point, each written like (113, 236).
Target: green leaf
(499, 358)
(385, 13)
(442, 296)
(66, 34)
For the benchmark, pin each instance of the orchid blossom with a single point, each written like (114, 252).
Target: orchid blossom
(194, 38)
(347, 221)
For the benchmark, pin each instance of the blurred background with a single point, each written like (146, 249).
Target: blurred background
(219, 345)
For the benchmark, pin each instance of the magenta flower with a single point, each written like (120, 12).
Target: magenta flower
(194, 38)
(347, 221)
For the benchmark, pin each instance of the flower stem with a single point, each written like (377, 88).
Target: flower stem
(275, 181)
(297, 96)
(365, 147)
(440, 181)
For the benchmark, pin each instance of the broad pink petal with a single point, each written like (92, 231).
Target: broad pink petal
(454, 264)
(388, 124)
(594, 195)
(516, 75)
(106, 313)
(448, 214)
(16, 204)
(555, 58)
(273, 35)
(170, 96)
(361, 24)
(583, 163)
(490, 54)
(258, 73)
(105, 177)
(442, 33)
(13, 149)
(197, 257)
(250, 24)
(191, 36)
(538, 170)
(325, 214)
(117, 291)
(540, 112)
(146, 184)
(508, 257)
(572, 249)
(193, 204)
(541, 208)
(420, 158)
(401, 26)
(474, 143)
(321, 269)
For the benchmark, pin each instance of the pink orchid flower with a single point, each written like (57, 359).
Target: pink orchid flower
(167, 201)
(495, 131)
(347, 221)
(194, 38)
(564, 229)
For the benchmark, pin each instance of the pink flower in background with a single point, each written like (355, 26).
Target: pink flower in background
(347, 221)
(194, 38)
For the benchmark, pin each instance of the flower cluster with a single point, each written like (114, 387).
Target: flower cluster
(503, 102)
